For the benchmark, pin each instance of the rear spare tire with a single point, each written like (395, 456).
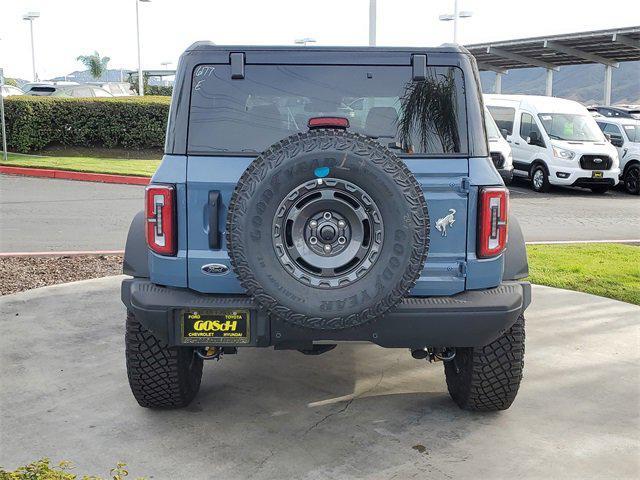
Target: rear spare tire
(327, 229)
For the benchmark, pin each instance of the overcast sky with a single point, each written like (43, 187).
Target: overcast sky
(68, 28)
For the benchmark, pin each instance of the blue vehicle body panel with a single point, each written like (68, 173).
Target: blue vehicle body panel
(485, 272)
(445, 182)
(164, 270)
(205, 174)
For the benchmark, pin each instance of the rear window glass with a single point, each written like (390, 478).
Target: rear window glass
(503, 117)
(272, 102)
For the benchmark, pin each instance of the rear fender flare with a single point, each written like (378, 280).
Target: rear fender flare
(516, 265)
(136, 262)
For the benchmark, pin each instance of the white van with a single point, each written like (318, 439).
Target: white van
(555, 142)
(499, 149)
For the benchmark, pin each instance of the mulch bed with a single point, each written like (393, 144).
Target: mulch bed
(23, 273)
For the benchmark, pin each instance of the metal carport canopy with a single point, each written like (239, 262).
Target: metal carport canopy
(607, 47)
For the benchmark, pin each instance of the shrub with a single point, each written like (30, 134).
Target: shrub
(34, 123)
(43, 470)
(158, 90)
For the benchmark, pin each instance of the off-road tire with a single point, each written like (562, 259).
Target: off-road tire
(631, 179)
(351, 158)
(160, 376)
(487, 378)
(545, 186)
(600, 189)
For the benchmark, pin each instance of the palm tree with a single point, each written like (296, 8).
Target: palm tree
(96, 64)
(428, 110)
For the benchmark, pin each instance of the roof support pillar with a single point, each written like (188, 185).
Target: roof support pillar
(608, 70)
(497, 86)
(549, 87)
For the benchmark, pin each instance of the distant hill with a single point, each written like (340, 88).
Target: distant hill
(583, 83)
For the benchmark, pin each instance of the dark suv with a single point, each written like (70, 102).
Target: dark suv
(313, 196)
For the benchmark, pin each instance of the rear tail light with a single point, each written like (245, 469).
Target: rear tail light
(492, 219)
(160, 213)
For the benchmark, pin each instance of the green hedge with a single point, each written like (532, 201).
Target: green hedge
(158, 90)
(34, 123)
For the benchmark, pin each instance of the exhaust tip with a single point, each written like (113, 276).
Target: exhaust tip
(419, 353)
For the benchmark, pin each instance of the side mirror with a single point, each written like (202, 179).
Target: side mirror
(504, 132)
(533, 138)
(616, 141)
(608, 137)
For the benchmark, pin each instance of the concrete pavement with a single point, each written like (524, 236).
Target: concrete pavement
(358, 411)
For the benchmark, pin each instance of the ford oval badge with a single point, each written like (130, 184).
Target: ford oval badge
(215, 269)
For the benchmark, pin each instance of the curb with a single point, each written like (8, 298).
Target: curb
(73, 253)
(69, 175)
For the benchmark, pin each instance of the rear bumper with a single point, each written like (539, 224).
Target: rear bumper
(471, 318)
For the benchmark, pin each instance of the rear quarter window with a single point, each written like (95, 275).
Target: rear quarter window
(272, 102)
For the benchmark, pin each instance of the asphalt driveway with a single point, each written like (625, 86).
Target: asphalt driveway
(60, 215)
(575, 214)
(40, 214)
(358, 411)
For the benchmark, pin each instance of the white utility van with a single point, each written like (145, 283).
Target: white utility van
(555, 142)
(624, 134)
(499, 149)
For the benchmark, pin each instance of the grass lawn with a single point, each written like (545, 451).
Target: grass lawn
(118, 166)
(606, 269)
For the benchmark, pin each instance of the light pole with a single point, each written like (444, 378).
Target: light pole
(456, 15)
(4, 131)
(372, 22)
(30, 17)
(304, 41)
(140, 78)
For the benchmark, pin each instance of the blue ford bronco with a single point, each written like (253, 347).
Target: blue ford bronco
(315, 196)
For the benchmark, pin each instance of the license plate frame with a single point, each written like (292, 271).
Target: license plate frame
(597, 174)
(226, 326)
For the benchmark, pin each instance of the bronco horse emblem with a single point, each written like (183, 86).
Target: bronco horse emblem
(446, 221)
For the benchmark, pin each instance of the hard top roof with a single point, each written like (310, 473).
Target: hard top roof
(449, 54)
(204, 45)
